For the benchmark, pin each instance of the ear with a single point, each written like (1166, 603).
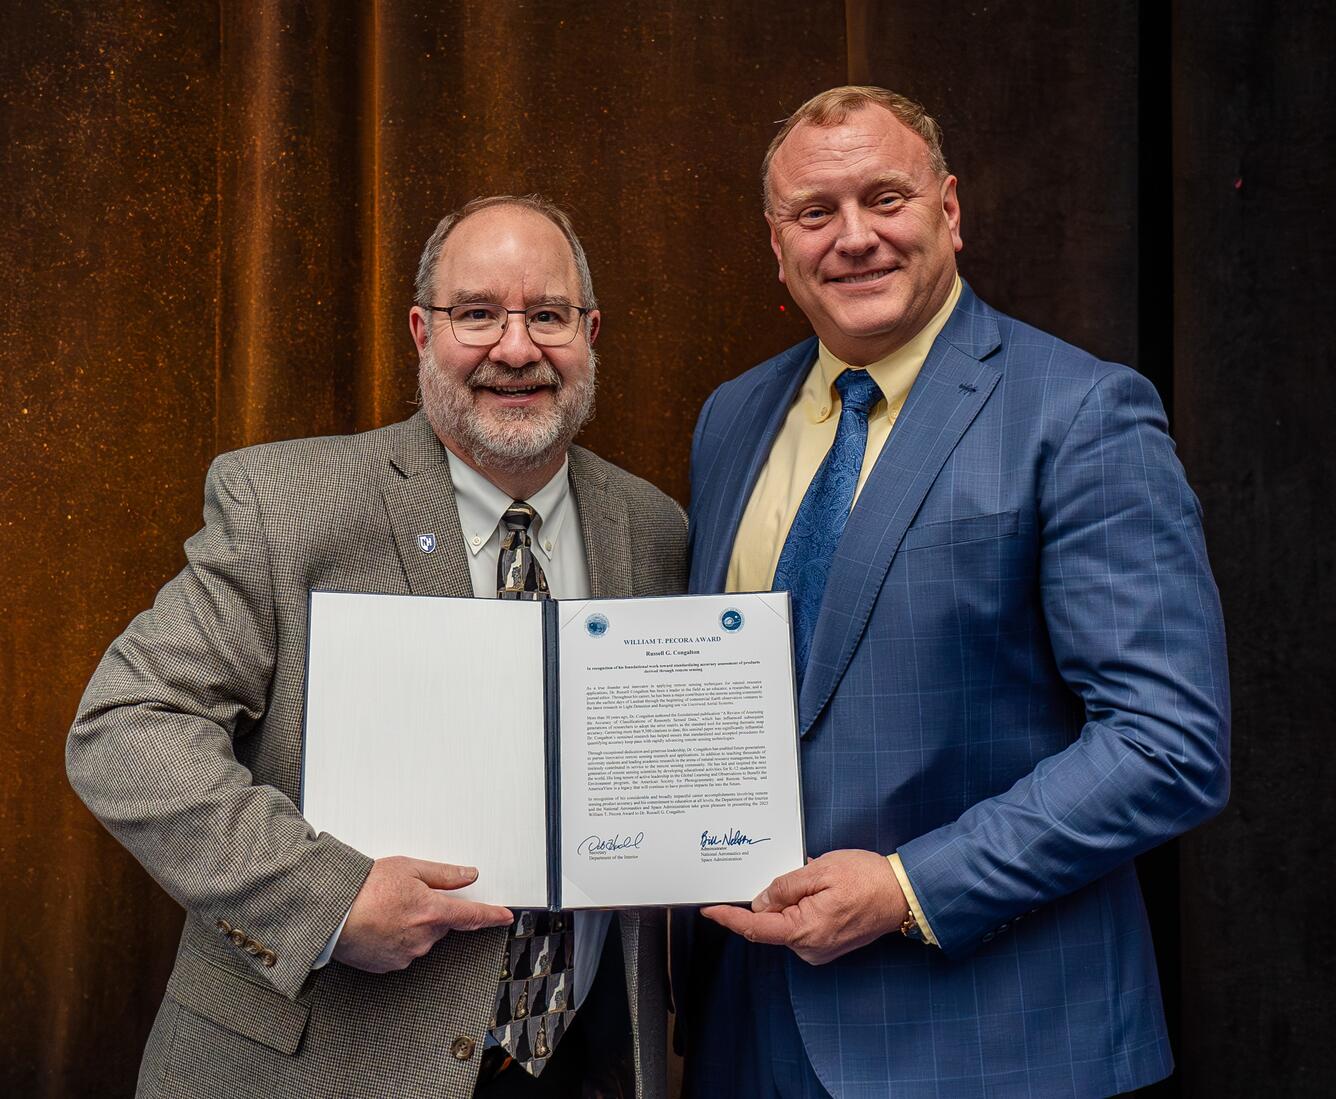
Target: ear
(951, 209)
(774, 245)
(595, 320)
(417, 325)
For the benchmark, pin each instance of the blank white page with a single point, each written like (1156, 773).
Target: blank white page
(424, 735)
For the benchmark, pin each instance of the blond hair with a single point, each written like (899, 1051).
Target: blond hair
(835, 105)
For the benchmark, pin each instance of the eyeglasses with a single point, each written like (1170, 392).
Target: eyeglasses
(481, 324)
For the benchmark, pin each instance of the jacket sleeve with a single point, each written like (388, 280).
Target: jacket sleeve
(1136, 630)
(151, 751)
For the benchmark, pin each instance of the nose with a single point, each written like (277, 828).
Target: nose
(515, 349)
(856, 235)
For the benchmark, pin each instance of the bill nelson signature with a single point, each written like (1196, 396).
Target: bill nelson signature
(732, 838)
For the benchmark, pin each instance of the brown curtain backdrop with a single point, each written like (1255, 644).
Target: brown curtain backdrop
(211, 215)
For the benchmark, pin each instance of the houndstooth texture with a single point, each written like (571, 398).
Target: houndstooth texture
(187, 746)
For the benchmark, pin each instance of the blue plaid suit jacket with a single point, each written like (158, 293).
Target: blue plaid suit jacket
(1018, 681)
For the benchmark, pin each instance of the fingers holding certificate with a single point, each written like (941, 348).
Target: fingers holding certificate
(834, 904)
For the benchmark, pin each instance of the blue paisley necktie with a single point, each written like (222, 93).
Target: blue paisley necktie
(805, 561)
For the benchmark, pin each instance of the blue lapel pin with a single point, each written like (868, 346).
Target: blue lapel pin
(426, 542)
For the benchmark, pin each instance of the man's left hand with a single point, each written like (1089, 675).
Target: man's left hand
(834, 904)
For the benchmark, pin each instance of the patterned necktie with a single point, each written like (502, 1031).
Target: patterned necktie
(518, 574)
(805, 560)
(535, 997)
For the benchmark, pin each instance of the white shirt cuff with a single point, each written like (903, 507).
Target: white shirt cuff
(323, 959)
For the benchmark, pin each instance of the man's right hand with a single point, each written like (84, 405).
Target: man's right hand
(404, 908)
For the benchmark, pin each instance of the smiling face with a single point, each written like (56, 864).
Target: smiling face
(865, 231)
(510, 410)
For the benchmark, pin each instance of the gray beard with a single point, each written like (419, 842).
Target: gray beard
(510, 440)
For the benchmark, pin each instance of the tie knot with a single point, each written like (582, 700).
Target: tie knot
(519, 515)
(858, 391)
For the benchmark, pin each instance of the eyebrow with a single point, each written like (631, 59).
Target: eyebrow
(899, 180)
(492, 297)
(467, 297)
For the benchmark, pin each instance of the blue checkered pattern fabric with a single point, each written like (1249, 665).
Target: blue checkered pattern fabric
(1018, 681)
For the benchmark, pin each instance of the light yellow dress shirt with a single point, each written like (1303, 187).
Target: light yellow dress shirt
(800, 446)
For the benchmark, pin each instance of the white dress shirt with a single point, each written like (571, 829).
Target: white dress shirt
(557, 543)
(555, 533)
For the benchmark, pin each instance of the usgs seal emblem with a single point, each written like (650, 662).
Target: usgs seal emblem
(731, 620)
(596, 625)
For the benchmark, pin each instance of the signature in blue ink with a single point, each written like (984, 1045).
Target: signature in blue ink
(594, 845)
(732, 838)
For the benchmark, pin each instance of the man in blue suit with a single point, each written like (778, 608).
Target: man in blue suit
(1010, 650)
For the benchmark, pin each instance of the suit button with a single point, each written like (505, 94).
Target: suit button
(237, 936)
(268, 959)
(1003, 928)
(989, 937)
(224, 927)
(252, 948)
(462, 1048)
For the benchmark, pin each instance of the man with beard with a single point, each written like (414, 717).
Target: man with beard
(305, 968)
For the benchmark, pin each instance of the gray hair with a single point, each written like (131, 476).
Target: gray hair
(431, 253)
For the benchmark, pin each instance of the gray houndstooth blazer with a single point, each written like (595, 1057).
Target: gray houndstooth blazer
(187, 746)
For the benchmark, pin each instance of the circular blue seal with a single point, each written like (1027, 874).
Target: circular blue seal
(596, 625)
(731, 620)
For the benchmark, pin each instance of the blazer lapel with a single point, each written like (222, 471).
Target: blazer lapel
(420, 502)
(949, 392)
(746, 447)
(604, 526)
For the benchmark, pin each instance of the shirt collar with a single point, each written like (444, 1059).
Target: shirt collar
(893, 374)
(481, 505)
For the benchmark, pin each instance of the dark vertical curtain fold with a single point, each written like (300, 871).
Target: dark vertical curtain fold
(1254, 108)
(296, 321)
